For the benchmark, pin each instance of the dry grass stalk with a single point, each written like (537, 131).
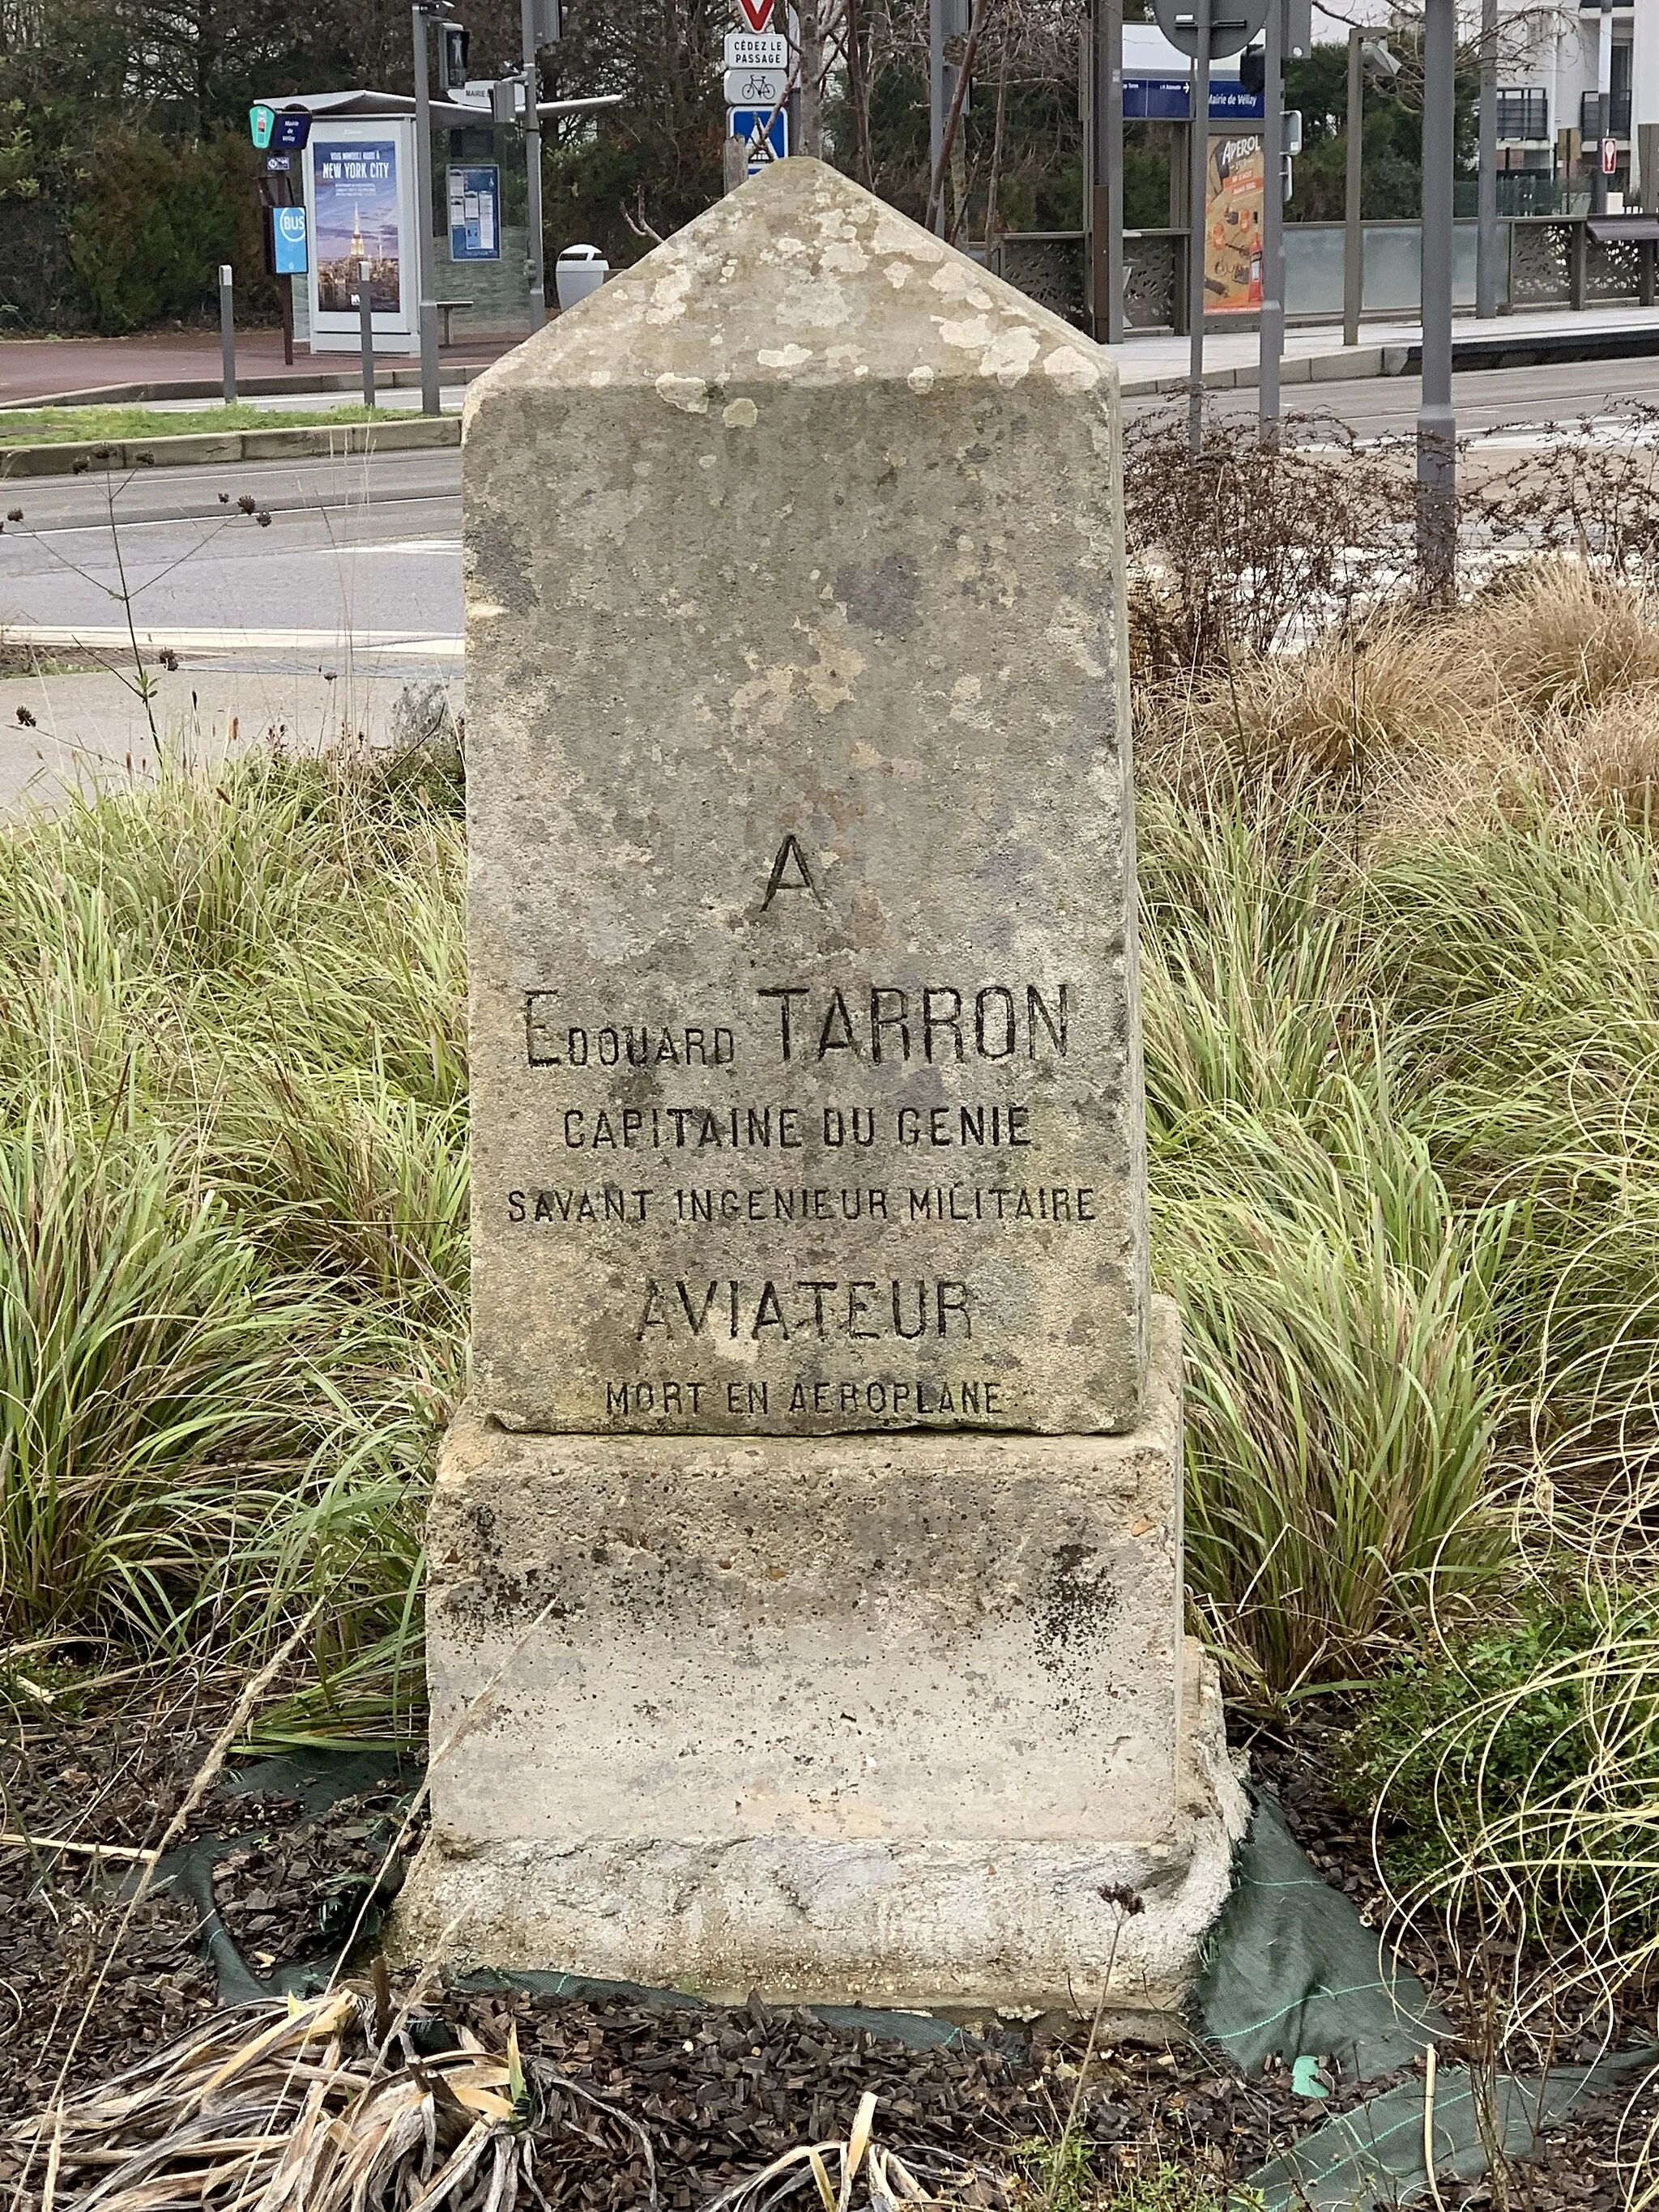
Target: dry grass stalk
(890, 2183)
(17, 1842)
(329, 2106)
(297, 2108)
(1544, 689)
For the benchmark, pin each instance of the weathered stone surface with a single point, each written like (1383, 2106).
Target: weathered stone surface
(806, 1043)
(869, 1717)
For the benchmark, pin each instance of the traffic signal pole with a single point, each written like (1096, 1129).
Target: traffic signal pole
(426, 280)
(534, 250)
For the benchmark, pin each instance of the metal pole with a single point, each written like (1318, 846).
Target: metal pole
(1105, 210)
(1196, 190)
(1486, 266)
(1112, 12)
(535, 265)
(1273, 220)
(228, 332)
(366, 329)
(936, 14)
(1353, 238)
(1437, 425)
(1603, 108)
(428, 312)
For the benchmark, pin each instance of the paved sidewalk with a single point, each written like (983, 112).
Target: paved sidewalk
(89, 727)
(1157, 361)
(41, 369)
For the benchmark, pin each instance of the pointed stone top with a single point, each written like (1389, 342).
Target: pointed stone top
(801, 278)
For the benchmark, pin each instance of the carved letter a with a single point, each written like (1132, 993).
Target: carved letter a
(780, 880)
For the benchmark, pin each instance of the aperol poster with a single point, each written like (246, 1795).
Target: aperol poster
(1233, 201)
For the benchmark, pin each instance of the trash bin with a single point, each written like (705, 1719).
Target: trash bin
(581, 270)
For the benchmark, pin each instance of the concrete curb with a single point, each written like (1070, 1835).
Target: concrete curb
(248, 387)
(328, 441)
(1358, 362)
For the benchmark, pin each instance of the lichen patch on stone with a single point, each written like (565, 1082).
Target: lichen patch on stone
(689, 393)
(1010, 354)
(1069, 370)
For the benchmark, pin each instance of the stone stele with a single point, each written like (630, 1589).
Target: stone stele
(805, 1043)
(805, 1591)
(900, 1721)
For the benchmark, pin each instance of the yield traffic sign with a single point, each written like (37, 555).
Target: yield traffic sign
(757, 14)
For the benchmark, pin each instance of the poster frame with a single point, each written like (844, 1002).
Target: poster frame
(1235, 310)
(395, 331)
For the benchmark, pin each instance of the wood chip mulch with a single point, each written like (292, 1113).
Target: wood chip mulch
(720, 2090)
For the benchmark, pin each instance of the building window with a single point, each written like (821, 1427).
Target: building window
(1617, 114)
(1523, 114)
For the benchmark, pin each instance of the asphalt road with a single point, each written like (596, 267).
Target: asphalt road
(373, 546)
(359, 545)
(1505, 399)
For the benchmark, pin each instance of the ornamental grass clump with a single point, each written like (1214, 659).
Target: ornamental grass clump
(233, 1195)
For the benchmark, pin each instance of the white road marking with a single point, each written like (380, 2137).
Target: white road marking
(364, 643)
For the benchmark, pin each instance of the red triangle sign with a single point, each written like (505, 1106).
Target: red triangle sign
(756, 13)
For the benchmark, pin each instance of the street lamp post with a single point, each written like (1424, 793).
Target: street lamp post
(421, 13)
(1437, 425)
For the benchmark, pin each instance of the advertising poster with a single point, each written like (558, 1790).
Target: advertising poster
(354, 195)
(475, 214)
(1233, 201)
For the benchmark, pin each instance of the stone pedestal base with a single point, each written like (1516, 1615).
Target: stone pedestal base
(900, 1720)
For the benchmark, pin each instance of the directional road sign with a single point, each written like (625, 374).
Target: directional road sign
(749, 124)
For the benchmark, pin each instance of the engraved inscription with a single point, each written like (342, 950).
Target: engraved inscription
(653, 1084)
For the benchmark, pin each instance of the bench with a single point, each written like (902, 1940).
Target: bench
(446, 309)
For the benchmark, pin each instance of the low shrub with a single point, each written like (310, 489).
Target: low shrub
(153, 220)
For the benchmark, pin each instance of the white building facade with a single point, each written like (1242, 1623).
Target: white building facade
(1553, 60)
